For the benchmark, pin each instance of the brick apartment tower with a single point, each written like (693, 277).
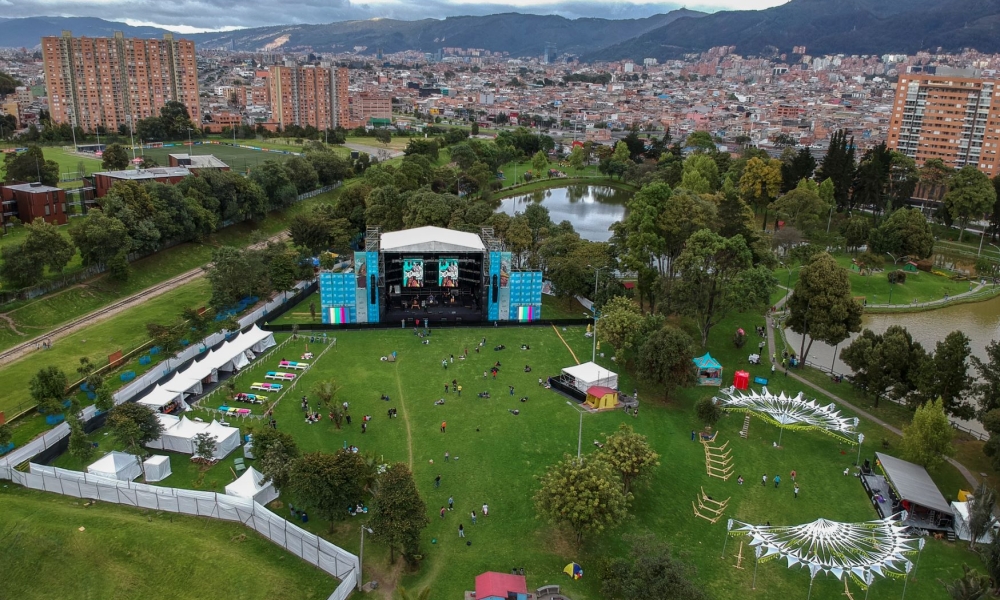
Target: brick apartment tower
(956, 119)
(107, 81)
(309, 95)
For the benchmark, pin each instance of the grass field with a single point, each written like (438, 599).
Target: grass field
(55, 547)
(497, 454)
(239, 159)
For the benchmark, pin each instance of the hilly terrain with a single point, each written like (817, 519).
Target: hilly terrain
(825, 27)
(28, 32)
(518, 34)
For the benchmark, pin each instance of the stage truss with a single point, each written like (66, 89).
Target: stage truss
(861, 551)
(792, 412)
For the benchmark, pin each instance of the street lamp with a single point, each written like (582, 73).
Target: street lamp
(892, 279)
(190, 143)
(597, 271)
(579, 437)
(361, 555)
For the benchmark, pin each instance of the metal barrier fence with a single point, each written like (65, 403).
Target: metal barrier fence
(309, 547)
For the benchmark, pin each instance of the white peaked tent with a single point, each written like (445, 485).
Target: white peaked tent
(961, 510)
(156, 468)
(183, 383)
(257, 339)
(116, 465)
(589, 374)
(179, 436)
(159, 398)
(251, 485)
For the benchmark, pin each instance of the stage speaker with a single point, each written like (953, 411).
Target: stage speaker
(374, 292)
(496, 288)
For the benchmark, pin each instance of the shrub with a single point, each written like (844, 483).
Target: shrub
(708, 411)
(897, 276)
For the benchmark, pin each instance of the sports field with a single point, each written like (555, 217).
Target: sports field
(496, 456)
(239, 159)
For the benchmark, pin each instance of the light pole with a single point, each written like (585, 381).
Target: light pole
(593, 308)
(361, 555)
(829, 219)
(994, 273)
(788, 282)
(579, 436)
(190, 143)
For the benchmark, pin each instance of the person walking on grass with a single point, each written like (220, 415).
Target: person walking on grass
(763, 480)
(437, 481)
(459, 391)
(442, 512)
(447, 456)
(451, 503)
(473, 517)
(792, 474)
(795, 490)
(444, 425)
(486, 510)
(461, 531)
(777, 480)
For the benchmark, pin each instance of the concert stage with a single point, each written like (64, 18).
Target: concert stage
(431, 273)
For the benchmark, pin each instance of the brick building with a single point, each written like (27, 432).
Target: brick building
(955, 119)
(107, 81)
(309, 95)
(368, 108)
(30, 201)
(219, 120)
(103, 181)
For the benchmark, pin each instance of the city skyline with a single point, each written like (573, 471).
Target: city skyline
(196, 16)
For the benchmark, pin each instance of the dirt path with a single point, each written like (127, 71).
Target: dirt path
(106, 312)
(406, 416)
(567, 345)
(10, 323)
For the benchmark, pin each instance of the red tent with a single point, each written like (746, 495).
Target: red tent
(741, 380)
(499, 586)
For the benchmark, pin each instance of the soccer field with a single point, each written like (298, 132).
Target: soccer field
(239, 159)
(496, 456)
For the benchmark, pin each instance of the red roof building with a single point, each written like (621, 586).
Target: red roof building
(500, 586)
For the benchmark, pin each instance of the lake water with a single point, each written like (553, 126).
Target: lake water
(592, 209)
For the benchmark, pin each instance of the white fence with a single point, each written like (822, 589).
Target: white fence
(313, 549)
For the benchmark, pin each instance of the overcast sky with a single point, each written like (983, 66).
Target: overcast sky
(190, 16)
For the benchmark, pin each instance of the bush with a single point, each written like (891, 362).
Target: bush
(708, 411)
(897, 276)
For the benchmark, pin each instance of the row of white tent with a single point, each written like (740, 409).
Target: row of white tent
(233, 355)
(179, 433)
(126, 467)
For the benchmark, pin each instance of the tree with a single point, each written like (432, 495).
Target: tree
(665, 358)
(856, 232)
(326, 391)
(115, 158)
(329, 167)
(475, 128)
(105, 398)
(284, 268)
(576, 157)
(276, 451)
(905, 233)
(133, 426)
(801, 166)
(986, 390)
(19, 269)
(30, 165)
(6, 435)
(991, 560)
(927, 439)
(620, 319)
(204, 447)
(700, 141)
(274, 181)
(970, 194)
(236, 274)
(972, 585)
(801, 208)
(131, 203)
(48, 389)
(540, 163)
(838, 166)
(585, 495)
(649, 571)
(629, 454)
(398, 513)
(302, 174)
(328, 483)
(821, 307)
(705, 169)
(946, 375)
(100, 238)
(888, 363)
(384, 208)
(175, 120)
(717, 277)
(708, 411)
(981, 517)
(761, 183)
(79, 446)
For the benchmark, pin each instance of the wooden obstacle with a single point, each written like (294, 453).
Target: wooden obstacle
(718, 463)
(739, 557)
(847, 590)
(709, 509)
(746, 427)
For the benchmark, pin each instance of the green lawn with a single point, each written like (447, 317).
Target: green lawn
(98, 550)
(397, 142)
(498, 455)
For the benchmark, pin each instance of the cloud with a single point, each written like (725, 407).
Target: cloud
(189, 16)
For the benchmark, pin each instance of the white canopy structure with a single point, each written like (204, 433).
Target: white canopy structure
(156, 468)
(860, 550)
(255, 339)
(179, 436)
(159, 399)
(116, 465)
(590, 374)
(792, 412)
(184, 384)
(251, 485)
(961, 512)
(431, 239)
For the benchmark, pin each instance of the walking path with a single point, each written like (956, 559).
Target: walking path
(860, 412)
(406, 416)
(940, 302)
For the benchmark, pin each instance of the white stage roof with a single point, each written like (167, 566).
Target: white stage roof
(431, 239)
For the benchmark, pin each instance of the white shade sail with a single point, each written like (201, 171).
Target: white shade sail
(791, 412)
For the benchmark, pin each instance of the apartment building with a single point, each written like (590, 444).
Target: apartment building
(953, 118)
(107, 82)
(371, 109)
(309, 95)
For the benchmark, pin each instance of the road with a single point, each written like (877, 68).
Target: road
(114, 308)
(863, 413)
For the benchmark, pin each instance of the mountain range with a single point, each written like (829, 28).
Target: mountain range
(822, 26)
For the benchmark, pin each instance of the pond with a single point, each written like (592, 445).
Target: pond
(592, 209)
